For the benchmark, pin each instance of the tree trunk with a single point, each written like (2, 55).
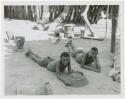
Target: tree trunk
(6, 11)
(62, 16)
(114, 27)
(69, 13)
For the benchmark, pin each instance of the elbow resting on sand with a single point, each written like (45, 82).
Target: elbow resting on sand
(98, 70)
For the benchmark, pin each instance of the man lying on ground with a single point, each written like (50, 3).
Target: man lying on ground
(87, 60)
(55, 66)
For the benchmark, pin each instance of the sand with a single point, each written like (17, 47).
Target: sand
(24, 77)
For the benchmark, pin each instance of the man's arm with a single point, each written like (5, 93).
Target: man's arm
(59, 73)
(69, 68)
(95, 68)
(83, 63)
(83, 60)
(97, 65)
(60, 76)
(91, 68)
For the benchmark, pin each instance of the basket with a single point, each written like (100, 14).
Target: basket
(77, 79)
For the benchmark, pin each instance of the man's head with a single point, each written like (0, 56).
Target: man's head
(93, 52)
(65, 58)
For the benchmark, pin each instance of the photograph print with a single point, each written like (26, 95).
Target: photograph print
(62, 49)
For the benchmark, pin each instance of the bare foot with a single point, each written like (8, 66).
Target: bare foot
(28, 52)
(68, 43)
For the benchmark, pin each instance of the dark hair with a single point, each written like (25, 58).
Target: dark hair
(94, 49)
(65, 54)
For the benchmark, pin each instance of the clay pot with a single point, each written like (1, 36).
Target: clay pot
(19, 42)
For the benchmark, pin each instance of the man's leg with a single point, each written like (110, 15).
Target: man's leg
(73, 50)
(71, 45)
(34, 57)
(31, 52)
(41, 61)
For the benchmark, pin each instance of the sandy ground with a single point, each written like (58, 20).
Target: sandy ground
(23, 76)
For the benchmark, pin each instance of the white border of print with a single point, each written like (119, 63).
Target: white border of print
(62, 2)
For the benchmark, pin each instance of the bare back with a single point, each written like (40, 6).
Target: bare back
(53, 64)
(83, 57)
(79, 57)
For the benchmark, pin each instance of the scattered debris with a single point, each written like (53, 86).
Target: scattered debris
(10, 35)
(115, 73)
(38, 27)
(48, 88)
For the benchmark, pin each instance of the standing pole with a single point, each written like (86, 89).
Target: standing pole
(107, 20)
(114, 26)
